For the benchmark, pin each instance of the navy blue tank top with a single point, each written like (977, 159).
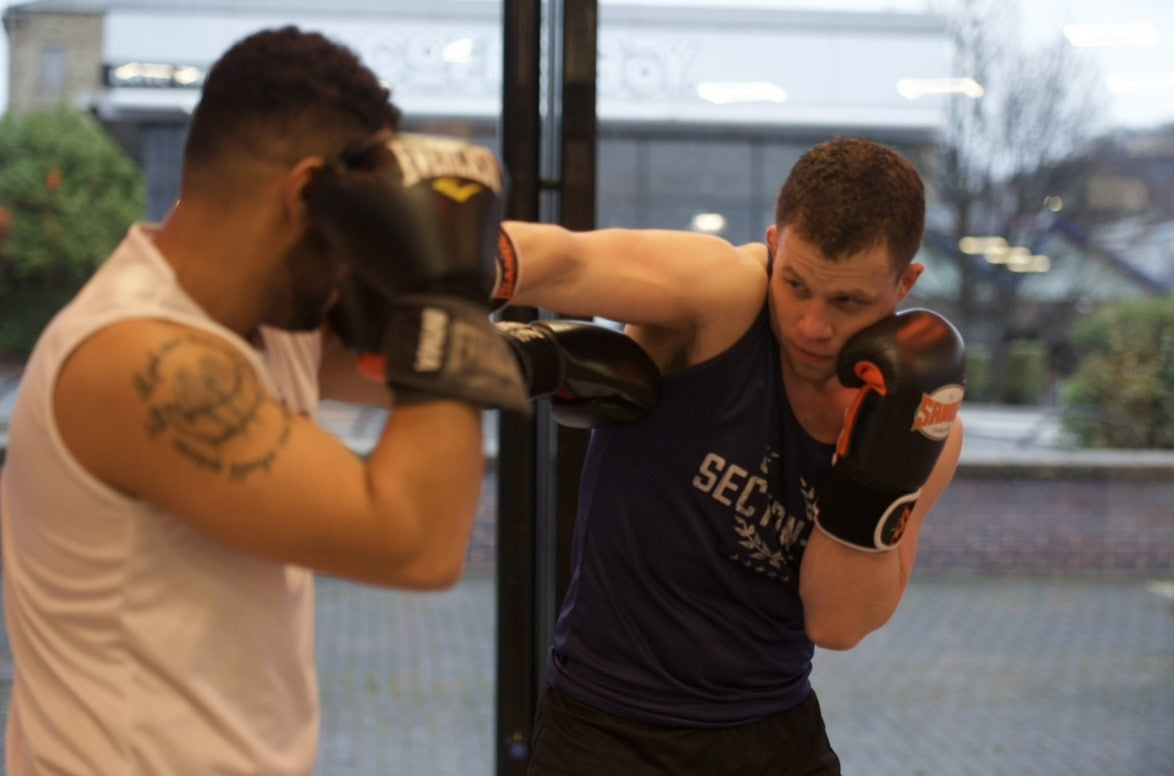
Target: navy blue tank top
(683, 607)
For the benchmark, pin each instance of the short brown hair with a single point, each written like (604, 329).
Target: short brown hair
(847, 195)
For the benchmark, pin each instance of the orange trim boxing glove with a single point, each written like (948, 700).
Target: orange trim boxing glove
(910, 372)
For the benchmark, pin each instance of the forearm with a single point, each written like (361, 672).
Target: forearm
(651, 277)
(425, 479)
(848, 593)
(549, 268)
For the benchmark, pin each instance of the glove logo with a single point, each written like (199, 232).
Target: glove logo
(433, 338)
(899, 529)
(457, 191)
(421, 157)
(935, 415)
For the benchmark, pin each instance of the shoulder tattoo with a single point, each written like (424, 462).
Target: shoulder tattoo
(204, 399)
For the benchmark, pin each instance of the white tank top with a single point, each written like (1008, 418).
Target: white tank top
(140, 645)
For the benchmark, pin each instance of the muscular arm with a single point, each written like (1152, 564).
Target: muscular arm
(685, 296)
(848, 593)
(177, 418)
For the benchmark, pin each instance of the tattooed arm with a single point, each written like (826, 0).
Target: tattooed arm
(177, 417)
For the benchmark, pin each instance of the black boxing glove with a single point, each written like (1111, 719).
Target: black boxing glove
(592, 375)
(418, 217)
(910, 371)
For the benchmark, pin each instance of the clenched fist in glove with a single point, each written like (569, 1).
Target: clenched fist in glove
(592, 375)
(910, 372)
(417, 217)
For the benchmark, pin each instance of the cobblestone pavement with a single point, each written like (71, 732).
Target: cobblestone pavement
(1006, 676)
(1072, 677)
(979, 676)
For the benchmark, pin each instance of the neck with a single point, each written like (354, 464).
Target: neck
(215, 262)
(819, 405)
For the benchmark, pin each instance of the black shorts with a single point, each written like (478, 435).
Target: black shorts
(574, 739)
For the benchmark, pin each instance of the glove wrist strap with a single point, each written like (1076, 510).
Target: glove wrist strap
(861, 515)
(445, 347)
(507, 271)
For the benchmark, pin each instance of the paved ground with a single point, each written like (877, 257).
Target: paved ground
(971, 678)
(1009, 677)
(974, 677)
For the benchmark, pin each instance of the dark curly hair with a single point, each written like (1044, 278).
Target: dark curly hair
(284, 94)
(847, 195)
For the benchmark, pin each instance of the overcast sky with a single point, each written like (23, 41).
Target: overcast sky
(1134, 107)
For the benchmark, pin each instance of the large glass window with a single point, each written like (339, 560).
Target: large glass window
(1035, 634)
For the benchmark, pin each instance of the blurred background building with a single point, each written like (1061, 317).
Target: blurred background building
(702, 108)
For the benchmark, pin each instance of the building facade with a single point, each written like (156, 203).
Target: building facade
(702, 110)
(673, 84)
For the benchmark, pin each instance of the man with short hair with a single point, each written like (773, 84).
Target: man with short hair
(772, 500)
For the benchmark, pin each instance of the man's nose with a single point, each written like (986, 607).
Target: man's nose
(814, 322)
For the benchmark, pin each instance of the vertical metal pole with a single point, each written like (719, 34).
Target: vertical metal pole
(539, 464)
(578, 142)
(548, 486)
(516, 463)
(578, 115)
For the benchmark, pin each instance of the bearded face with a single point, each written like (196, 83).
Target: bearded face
(307, 287)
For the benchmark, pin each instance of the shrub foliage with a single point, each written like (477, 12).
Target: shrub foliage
(68, 192)
(1122, 392)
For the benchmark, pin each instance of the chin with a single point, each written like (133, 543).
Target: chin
(302, 318)
(303, 326)
(308, 322)
(815, 374)
(807, 371)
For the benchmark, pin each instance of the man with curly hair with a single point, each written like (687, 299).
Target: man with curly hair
(166, 497)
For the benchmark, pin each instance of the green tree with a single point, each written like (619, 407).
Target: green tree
(70, 192)
(1122, 392)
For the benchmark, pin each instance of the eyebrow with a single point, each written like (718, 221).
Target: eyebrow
(856, 292)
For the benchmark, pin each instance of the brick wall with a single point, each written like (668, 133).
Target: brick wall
(1050, 519)
(1017, 518)
(1012, 519)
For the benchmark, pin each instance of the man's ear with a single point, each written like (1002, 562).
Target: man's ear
(772, 240)
(297, 181)
(909, 279)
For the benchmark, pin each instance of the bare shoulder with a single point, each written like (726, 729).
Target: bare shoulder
(738, 289)
(705, 251)
(756, 255)
(736, 273)
(726, 286)
(708, 269)
(144, 396)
